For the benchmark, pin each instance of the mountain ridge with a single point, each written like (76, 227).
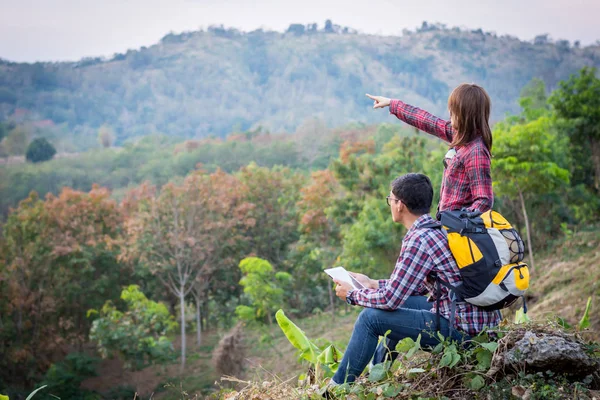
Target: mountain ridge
(209, 83)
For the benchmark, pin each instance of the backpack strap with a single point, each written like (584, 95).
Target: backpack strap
(439, 282)
(432, 225)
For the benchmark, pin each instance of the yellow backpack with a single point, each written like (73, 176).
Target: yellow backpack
(489, 253)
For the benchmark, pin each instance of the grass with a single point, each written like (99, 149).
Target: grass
(566, 278)
(263, 360)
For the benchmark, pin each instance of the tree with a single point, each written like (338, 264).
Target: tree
(40, 150)
(178, 234)
(15, 143)
(577, 102)
(264, 288)
(273, 194)
(137, 335)
(319, 243)
(58, 260)
(529, 161)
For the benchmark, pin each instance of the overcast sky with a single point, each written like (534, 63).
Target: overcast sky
(49, 30)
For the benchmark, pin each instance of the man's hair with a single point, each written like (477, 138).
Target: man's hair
(470, 104)
(415, 191)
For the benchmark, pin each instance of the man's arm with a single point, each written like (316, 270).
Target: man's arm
(410, 272)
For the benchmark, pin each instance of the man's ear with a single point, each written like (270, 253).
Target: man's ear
(400, 206)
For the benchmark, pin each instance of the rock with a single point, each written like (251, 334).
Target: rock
(543, 351)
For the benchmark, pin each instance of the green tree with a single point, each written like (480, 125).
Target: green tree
(138, 335)
(529, 161)
(40, 150)
(264, 288)
(15, 143)
(577, 102)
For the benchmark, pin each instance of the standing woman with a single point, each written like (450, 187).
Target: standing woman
(467, 181)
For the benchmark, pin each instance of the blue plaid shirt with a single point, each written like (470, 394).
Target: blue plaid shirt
(424, 251)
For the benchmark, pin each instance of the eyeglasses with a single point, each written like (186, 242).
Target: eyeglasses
(388, 198)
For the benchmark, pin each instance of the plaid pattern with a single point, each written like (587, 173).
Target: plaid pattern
(424, 251)
(467, 179)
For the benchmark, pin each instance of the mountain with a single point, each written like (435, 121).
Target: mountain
(208, 83)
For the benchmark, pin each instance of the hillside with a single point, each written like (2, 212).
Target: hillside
(559, 288)
(205, 83)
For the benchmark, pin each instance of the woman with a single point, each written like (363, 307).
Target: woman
(467, 181)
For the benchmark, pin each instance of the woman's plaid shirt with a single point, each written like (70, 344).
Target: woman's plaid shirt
(425, 250)
(467, 179)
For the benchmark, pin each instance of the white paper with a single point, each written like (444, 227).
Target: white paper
(340, 274)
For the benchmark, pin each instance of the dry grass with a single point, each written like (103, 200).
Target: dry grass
(561, 288)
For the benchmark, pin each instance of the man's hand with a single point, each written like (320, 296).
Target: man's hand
(365, 280)
(379, 101)
(342, 289)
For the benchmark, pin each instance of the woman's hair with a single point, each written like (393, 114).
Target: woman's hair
(470, 106)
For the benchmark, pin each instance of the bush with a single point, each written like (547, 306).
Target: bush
(40, 150)
(137, 335)
(64, 378)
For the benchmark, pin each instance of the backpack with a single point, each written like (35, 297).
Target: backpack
(489, 254)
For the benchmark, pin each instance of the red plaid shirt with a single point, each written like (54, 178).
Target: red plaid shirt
(425, 250)
(467, 181)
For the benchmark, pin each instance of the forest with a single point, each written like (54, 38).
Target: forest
(120, 251)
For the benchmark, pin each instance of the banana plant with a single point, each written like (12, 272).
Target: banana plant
(326, 359)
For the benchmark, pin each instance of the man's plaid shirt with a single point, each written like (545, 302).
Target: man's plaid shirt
(425, 250)
(467, 179)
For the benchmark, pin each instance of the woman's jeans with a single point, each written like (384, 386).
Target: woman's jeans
(414, 318)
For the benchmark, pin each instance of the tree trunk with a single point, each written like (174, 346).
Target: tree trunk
(198, 324)
(204, 321)
(182, 311)
(331, 299)
(529, 249)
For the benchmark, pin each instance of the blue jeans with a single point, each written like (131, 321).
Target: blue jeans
(411, 320)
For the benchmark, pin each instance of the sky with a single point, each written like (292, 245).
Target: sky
(68, 30)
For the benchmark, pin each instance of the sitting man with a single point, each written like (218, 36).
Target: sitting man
(398, 304)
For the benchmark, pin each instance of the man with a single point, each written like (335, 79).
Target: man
(398, 303)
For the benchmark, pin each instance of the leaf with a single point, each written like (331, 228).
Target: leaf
(518, 391)
(377, 373)
(476, 383)
(405, 345)
(521, 317)
(491, 346)
(3, 397)
(297, 337)
(393, 391)
(446, 360)
(484, 360)
(585, 320)
(416, 347)
(455, 360)
(34, 392)
(331, 355)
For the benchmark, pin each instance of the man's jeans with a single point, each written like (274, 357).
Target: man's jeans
(411, 320)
